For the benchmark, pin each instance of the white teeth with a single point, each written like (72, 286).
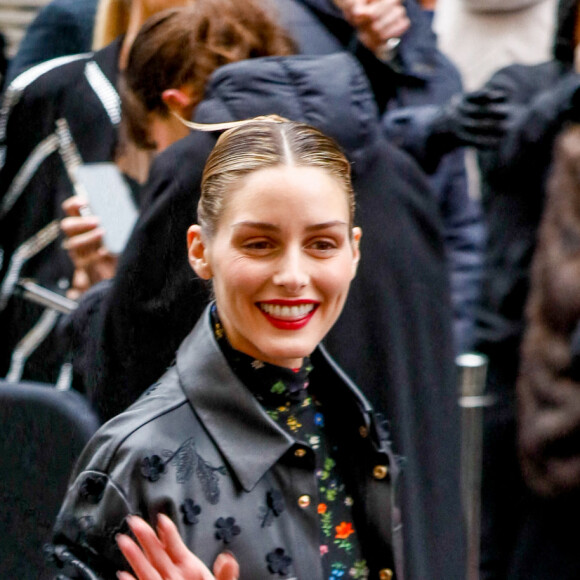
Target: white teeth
(287, 312)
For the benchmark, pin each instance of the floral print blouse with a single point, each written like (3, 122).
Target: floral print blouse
(285, 396)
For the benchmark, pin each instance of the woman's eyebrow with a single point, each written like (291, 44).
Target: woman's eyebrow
(258, 225)
(326, 225)
(272, 227)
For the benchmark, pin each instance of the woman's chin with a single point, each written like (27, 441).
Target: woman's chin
(286, 355)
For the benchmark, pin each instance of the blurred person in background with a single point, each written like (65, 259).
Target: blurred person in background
(60, 28)
(55, 117)
(408, 82)
(482, 36)
(535, 102)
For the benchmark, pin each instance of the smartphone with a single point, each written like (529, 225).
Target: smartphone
(110, 198)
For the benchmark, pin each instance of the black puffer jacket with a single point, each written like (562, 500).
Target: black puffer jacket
(394, 336)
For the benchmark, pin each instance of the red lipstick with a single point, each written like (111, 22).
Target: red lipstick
(287, 323)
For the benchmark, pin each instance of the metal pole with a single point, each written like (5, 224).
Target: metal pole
(472, 369)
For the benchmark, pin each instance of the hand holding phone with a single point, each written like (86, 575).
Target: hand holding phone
(99, 225)
(84, 243)
(109, 197)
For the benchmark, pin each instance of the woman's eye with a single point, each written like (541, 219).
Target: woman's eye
(322, 245)
(258, 245)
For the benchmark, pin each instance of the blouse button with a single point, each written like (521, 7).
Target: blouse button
(300, 452)
(304, 501)
(385, 574)
(380, 471)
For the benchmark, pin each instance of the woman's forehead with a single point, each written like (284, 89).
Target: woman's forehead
(285, 184)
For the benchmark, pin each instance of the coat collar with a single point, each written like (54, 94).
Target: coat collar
(232, 415)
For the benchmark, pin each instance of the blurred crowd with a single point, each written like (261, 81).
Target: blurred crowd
(460, 120)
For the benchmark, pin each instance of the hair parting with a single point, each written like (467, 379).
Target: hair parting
(250, 145)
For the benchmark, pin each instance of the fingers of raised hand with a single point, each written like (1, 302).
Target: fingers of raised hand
(74, 205)
(154, 550)
(137, 559)
(163, 556)
(226, 567)
(169, 535)
(193, 568)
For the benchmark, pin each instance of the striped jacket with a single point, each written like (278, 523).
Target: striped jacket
(53, 117)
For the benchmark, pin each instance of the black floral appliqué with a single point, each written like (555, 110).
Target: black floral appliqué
(187, 461)
(226, 529)
(190, 511)
(207, 475)
(274, 507)
(152, 467)
(92, 488)
(278, 562)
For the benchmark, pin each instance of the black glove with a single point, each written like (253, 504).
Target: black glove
(479, 119)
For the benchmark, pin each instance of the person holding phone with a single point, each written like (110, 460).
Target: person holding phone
(54, 117)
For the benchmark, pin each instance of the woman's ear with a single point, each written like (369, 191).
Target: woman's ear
(197, 253)
(356, 236)
(180, 101)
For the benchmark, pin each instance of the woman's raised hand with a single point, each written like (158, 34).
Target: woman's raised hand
(84, 243)
(164, 556)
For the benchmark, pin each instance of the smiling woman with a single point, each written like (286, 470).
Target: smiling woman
(281, 251)
(255, 440)
(280, 283)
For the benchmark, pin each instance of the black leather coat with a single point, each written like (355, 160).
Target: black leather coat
(200, 435)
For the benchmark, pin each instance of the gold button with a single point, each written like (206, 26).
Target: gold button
(385, 574)
(304, 501)
(300, 452)
(364, 432)
(380, 471)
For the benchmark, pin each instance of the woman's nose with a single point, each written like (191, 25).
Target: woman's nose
(292, 271)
